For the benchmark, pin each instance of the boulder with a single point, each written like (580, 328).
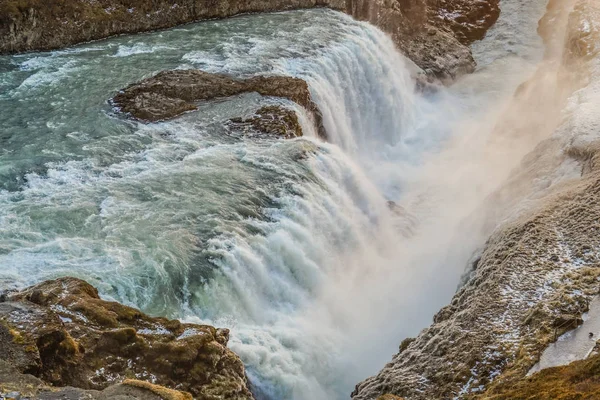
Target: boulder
(65, 335)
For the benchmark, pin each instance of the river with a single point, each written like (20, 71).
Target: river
(292, 244)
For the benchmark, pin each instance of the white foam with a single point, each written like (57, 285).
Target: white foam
(48, 72)
(138, 48)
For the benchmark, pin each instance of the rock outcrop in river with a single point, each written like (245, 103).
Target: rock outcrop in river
(171, 93)
(433, 33)
(540, 268)
(60, 333)
(271, 120)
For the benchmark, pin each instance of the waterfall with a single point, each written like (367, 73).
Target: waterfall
(292, 244)
(305, 295)
(318, 256)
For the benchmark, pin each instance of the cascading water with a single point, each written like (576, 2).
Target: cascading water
(291, 244)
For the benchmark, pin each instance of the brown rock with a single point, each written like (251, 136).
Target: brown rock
(44, 25)
(62, 332)
(272, 120)
(170, 93)
(468, 20)
(432, 33)
(578, 380)
(14, 385)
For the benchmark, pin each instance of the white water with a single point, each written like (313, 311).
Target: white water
(291, 244)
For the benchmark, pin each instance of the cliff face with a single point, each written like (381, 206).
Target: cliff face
(539, 269)
(433, 33)
(41, 25)
(468, 20)
(61, 333)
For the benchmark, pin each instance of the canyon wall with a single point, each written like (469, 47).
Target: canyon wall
(433, 33)
(539, 270)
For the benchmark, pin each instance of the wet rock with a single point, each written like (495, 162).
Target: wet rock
(62, 333)
(171, 93)
(468, 20)
(435, 34)
(27, 25)
(406, 223)
(271, 120)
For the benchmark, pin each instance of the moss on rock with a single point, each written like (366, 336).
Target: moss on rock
(579, 380)
(68, 336)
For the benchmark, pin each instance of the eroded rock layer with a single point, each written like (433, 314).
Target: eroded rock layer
(63, 334)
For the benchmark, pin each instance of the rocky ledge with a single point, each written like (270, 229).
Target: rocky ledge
(59, 339)
(433, 33)
(172, 93)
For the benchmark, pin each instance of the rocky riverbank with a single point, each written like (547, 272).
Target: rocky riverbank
(434, 34)
(540, 267)
(59, 340)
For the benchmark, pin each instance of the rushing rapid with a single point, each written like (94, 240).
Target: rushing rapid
(318, 256)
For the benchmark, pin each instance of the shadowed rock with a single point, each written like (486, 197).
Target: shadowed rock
(15, 385)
